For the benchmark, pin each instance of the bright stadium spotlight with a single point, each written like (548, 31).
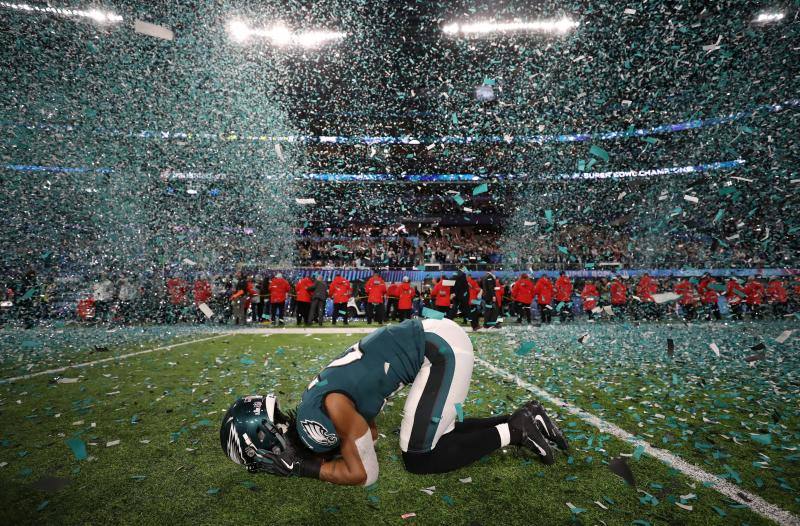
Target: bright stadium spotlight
(282, 36)
(562, 25)
(97, 15)
(767, 18)
(238, 31)
(317, 38)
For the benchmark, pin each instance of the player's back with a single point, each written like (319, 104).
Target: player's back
(369, 372)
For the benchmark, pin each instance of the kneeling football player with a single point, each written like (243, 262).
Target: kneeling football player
(331, 434)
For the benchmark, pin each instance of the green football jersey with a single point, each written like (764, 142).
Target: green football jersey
(368, 373)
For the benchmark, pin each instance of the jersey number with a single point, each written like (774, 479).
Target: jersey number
(350, 355)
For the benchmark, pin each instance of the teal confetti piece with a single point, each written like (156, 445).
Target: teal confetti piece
(765, 439)
(213, 491)
(460, 412)
(78, 447)
(637, 453)
(488, 81)
(720, 215)
(458, 199)
(455, 119)
(599, 152)
(563, 250)
(247, 361)
(42, 505)
(548, 214)
(448, 500)
(574, 509)
(525, 348)
(432, 314)
(480, 189)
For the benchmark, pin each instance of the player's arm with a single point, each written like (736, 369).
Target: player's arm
(373, 427)
(358, 464)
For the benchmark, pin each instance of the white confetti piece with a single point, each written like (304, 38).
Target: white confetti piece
(153, 30)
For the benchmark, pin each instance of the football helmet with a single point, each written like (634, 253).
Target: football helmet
(253, 434)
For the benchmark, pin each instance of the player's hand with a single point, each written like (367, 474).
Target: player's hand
(284, 463)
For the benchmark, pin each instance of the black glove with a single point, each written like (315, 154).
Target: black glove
(285, 464)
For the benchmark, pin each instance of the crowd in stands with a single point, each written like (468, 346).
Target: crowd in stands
(396, 247)
(582, 246)
(241, 299)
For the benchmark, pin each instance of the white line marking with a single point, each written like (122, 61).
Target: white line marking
(307, 330)
(731, 491)
(110, 359)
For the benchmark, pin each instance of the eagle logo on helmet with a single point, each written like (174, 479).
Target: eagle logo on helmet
(318, 433)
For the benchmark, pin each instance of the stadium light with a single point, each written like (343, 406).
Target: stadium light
(561, 25)
(98, 16)
(766, 18)
(281, 36)
(238, 31)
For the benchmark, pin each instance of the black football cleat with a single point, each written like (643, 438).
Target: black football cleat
(546, 426)
(523, 421)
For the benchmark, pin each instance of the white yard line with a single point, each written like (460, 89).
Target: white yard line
(732, 491)
(306, 330)
(110, 359)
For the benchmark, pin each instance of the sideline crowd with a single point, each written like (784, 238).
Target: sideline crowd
(242, 299)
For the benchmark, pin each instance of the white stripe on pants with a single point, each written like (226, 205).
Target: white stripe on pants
(459, 385)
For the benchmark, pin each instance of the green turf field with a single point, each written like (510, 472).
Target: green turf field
(720, 413)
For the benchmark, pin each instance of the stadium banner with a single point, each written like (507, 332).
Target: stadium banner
(352, 274)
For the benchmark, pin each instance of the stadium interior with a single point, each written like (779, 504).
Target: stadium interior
(624, 175)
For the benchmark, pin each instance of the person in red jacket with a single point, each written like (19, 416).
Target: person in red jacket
(688, 299)
(619, 297)
(522, 296)
(709, 296)
(176, 291)
(590, 296)
(303, 299)
(376, 293)
(251, 298)
(543, 290)
(201, 291)
(441, 296)
(734, 293)
(644, 291)
(472, 310)
(563, 296)
(392, 293)
(279, 288)
(778, 297)
(755, 296)
(340, 292)
(405, 299)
